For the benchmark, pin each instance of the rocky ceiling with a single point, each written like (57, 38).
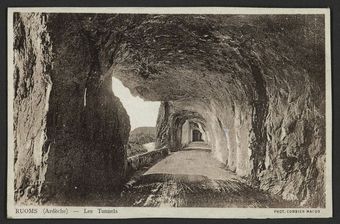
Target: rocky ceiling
(240, 74)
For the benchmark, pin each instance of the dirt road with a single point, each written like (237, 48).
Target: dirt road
(193, 178)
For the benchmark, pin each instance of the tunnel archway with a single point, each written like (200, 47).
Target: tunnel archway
(179, 133)
(233, 72)
(194, 131)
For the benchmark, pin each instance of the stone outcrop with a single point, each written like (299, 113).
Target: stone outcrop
(255, 82)
(32, 87)
(70, 130)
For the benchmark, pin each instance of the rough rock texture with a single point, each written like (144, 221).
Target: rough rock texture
(32, 87)
(255, 82)
(242, 75)
(70, 130)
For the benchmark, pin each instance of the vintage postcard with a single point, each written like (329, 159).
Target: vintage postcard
(169, 112)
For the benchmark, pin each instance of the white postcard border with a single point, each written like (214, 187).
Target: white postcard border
(13, 211)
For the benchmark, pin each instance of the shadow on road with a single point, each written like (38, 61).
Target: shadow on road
(179, 190)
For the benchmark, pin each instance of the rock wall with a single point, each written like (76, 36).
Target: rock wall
(244, 79)
(186, 134)
(240, 76)
(76, 128)
(32, 87)
(295, 153)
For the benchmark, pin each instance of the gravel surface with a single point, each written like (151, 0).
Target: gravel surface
(193, 179)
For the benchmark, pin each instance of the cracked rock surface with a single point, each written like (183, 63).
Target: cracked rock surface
(256, 82)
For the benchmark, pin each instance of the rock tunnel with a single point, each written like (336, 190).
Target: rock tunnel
(239, 77)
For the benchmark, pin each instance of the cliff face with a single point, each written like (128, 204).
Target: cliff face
(32, 87)
(76, 128)
(255, 82)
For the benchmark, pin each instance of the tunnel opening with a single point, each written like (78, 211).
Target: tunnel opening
(196, 136)
(142, 116)
(239, 86)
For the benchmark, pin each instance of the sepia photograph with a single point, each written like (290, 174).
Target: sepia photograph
(169, 112)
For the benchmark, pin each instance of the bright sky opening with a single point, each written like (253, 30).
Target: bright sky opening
(142, 113)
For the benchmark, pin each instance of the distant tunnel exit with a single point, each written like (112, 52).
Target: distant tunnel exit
(193, 131)
(196, 136)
